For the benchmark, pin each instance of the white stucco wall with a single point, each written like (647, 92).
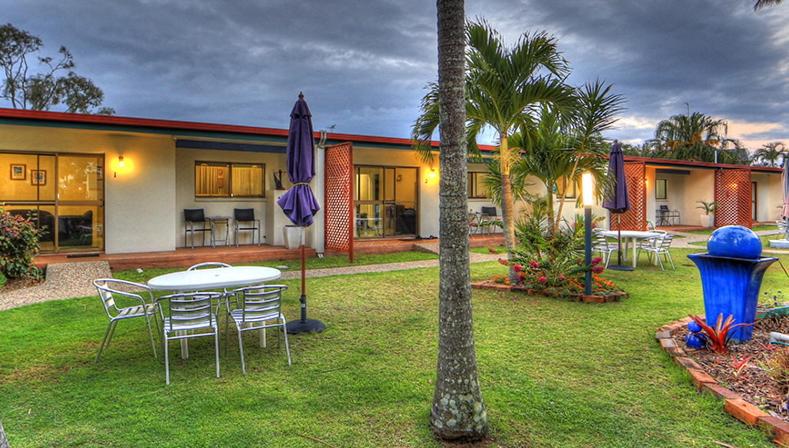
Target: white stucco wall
(265, 208)
(139, 213)
(770, 196)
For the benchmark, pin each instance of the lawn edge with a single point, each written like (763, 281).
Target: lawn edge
(733, 403)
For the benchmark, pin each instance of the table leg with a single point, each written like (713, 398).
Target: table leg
(635, 253)
(184, 347)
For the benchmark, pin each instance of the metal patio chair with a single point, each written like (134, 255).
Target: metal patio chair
(656, 247)
(601, 245)
(187, 316)
(244, 221)
(208, 265)
(110, 290)
(489, 219)
(196, 222)
(260, 307)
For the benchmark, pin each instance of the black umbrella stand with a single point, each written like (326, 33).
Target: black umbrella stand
(619, 266)
(304, 325)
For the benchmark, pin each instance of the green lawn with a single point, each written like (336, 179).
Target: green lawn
(754, 228)
(486, 249)
(334, 261)
(554, 373)
(764, 238)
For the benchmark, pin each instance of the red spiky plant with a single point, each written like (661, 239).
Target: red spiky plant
(718, 337)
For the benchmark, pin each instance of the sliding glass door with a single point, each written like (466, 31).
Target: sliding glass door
(386, 201)
(62, 193)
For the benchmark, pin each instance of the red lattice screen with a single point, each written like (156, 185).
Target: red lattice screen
(733, 197)
(636, 217)
(338, 200)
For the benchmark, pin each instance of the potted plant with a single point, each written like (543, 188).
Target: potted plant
(708, 218)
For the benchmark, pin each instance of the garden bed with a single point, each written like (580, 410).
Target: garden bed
(747, 377)
(606, 297)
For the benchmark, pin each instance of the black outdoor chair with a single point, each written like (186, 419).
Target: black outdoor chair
(244, 221)
(489, 218)
(194, 221)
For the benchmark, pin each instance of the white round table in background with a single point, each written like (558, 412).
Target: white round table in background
(214, 278)
(634, 236)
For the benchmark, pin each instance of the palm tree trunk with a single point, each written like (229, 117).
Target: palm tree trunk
(549, 204)
(507, 202)
(458, 411)
(3, 437)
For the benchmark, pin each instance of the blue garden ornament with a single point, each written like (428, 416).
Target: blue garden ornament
(731, 275)
(695, 341)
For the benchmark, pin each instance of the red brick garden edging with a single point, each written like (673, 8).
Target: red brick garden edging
(594, 298)
(734, 404)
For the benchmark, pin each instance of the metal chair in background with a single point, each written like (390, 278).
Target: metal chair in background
(187, 316)
(244, 221)
(260, 308)
(110, 290)
(208, 265)
(657, 247)
(196, 222)
(601, 245)
(489, 219)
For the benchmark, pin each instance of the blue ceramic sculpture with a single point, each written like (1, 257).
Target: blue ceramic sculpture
(731, 275)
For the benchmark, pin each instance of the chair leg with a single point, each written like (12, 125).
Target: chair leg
(216, 349)
(241, 349)
(104, 340)
(263, 338)
(166, 360)
(660, 262)
(150, 333)
(670, 260)
(284, 330)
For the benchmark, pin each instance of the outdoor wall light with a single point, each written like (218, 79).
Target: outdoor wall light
(121, 165)
(431, 175)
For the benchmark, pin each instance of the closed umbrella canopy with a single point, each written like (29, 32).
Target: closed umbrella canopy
(785, 212)
(616, 199)
(298, 203)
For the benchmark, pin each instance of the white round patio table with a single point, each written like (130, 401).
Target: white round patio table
(214, 278)
(634, 236)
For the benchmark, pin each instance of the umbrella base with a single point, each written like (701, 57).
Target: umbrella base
(619, 267)
(305, 326)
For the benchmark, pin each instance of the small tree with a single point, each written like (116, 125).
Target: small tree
(54, 85)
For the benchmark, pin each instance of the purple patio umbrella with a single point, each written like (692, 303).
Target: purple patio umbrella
(298, 203)
(616, 200)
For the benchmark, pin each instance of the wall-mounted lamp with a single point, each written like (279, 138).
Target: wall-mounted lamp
(119, 166)
(431, 175)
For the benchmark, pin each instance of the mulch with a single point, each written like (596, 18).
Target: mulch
(19, 283)
(757, 381)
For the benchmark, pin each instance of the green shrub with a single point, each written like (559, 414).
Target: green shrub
(3, 280)
(18, 245)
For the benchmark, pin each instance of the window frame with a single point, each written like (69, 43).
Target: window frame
(665, 189)
(471, 190)
(230, 194)
(572, 195)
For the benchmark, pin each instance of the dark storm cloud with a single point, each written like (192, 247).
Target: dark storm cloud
(362, 64)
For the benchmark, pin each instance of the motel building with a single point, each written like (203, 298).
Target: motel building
(118, 188)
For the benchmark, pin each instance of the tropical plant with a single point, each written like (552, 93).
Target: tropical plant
(694, 136)
(771, 154)
(504, 87)
(717, 337)
(458, 411)
(759, 4)
(708, 207)
(18, 244)
(567, 143)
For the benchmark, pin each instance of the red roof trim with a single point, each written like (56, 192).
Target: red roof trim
(698, 164)
(112, 120)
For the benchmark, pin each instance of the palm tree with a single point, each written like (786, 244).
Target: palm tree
(505, 87)
(458, 411)
(771, 154)
(692, 137)
(759, 4)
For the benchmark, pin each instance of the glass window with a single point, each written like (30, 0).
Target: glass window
(477, 189)
(247, 180)
(572, 192)
(222, 180)
(661, 190)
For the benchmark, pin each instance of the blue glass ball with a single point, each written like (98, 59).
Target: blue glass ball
(693, 327)
(694, 341)
(734, 242)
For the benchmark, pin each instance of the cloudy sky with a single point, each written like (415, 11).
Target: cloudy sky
(363, 64)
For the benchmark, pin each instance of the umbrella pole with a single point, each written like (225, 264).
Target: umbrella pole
(618, 266)
(304, 325)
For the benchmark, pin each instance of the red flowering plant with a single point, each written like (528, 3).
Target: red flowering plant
(553, 264)
(18, 244)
